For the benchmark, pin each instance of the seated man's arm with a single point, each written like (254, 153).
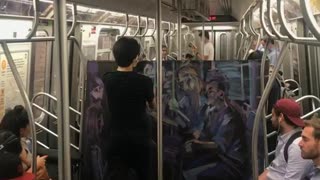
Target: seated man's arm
(263, 176)
(225, 134)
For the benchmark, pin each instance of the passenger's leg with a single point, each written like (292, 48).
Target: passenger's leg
(143, 161)
(219, 172)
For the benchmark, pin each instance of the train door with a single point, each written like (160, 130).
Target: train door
(223, 45)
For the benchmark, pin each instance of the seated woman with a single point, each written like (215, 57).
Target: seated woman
(10, 162)
(16, 120)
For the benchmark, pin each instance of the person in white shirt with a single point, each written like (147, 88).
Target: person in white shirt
(208, 53)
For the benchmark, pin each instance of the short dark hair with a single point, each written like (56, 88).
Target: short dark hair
(9, 142)
(164, 46)
(220, 78)
(255, 55)
(125, 50)
(206, 34)
(15, 119)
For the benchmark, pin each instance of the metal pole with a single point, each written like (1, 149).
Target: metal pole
(159, 88)
(61, 71)
(262, 102)
(26, 101)
(262, 72)
(179, 29)
(202, 41)
(35, 21)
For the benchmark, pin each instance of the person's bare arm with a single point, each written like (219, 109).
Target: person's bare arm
(263, 176)
(205, 58)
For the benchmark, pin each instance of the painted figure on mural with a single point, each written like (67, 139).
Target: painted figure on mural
(217, 151)
(95, 125)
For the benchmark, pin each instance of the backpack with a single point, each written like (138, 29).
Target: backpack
(289, 142)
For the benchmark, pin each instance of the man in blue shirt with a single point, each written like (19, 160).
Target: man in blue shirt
(273, 53)
(218, 152)
(310, 146)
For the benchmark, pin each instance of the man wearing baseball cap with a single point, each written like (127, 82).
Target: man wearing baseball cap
(288, 163)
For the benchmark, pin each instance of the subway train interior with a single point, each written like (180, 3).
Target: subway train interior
(54, 54)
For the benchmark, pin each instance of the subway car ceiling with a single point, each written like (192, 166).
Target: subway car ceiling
(222, 10)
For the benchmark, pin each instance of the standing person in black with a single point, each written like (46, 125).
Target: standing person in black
(129, 143)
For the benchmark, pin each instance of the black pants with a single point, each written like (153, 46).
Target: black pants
(131, 161)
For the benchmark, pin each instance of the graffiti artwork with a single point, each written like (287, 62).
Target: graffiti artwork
(207, 117)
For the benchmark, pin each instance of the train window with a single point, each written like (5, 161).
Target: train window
(98, 15)
(292, 9)
(133, 20)
(256, 18)
(13, 7)
(14, 28)
(315, 5)
(267, 22)
(275, 14)
(106, 39)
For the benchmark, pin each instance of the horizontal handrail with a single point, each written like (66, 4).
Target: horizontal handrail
(309, 18)
(291, 35)
(53, 98)
(263, 22)
(43, 145)
(53, 116)
(54, 134)
(272, 25)
(271, 153)
(273, 133)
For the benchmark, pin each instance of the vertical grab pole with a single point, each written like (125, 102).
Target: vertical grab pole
(26, 101)
(262, 70)
(202, 41)
(262, 102)
(61, 71)
(179, 29)
(159, 88)
(35, 20)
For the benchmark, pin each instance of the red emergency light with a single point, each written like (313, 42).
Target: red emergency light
(212, 18)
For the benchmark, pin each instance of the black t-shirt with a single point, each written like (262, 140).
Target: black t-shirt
(127, 95)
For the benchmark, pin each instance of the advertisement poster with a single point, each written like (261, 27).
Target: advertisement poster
(206, 111)
(9, 92)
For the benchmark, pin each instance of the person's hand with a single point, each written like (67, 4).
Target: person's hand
(173, 104)
(196, 134)
(42, 174)
(24, 157)
(41, 161)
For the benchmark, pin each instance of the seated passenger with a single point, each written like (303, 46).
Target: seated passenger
(10, 162)
(165, 54)
(16, 120)
(218, 151)
(255, 55)
(310, 146)
(288, 163)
